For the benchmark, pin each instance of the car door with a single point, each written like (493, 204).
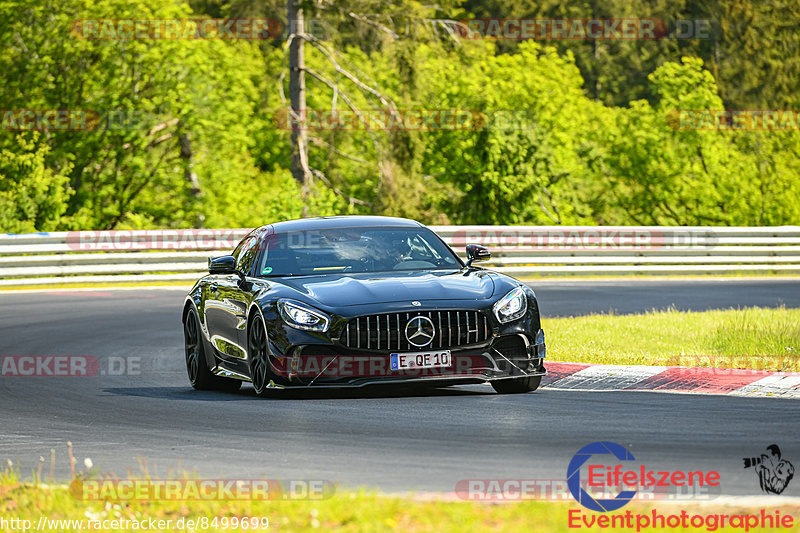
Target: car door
(227, 301)
(241, 294)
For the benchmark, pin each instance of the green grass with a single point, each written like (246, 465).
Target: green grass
(346, 511)
(767, 339)
(579, 276)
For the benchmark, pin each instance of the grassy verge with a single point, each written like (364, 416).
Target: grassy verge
(345, 511)
(767, 339)
(558, 276)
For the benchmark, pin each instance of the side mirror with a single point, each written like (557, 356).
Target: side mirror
(225, 264)
(476, 252)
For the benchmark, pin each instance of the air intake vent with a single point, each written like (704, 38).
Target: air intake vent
(387, 332)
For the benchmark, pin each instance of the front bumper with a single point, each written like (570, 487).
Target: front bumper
(326, 365)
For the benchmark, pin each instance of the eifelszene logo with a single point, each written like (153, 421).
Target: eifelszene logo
(574, 476)
(774, 473)
(603, 477)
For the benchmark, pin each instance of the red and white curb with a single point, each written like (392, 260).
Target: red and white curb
(735, 382)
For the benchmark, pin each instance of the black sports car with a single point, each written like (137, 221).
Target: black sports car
(359, 300)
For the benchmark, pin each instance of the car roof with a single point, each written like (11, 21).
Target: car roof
(345, 221)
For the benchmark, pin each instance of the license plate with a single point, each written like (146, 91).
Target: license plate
(404, 361)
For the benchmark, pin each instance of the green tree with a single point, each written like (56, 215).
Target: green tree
(174, 144)
(33, 197)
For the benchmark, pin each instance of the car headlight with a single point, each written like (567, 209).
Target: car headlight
(301, 317)
(511, 306)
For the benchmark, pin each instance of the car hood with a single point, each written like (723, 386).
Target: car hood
(358, 289)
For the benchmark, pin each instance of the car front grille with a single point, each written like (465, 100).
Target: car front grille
(387, 331)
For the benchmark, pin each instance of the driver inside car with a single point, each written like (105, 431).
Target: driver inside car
(399, 251)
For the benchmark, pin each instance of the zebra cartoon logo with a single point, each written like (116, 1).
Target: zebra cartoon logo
(774, 473)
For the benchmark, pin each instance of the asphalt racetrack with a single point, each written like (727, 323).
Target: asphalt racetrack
(387, 439)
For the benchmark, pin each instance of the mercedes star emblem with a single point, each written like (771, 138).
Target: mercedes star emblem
(420, 331)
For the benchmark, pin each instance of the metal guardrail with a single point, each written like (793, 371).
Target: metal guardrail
(175, 255)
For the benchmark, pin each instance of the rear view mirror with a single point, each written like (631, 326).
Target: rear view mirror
(225, 264)
(476, 252)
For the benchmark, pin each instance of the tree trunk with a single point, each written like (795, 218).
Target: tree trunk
(297, 97)
(188, 157)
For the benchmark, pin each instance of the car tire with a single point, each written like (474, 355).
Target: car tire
(200, 376)
(517, 385)
(258, 356)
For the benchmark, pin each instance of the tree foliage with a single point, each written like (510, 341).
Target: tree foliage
(192, 132)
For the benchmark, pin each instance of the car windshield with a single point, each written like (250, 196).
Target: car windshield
(345, 250)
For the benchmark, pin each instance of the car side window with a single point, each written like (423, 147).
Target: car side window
(238, 250)
(247, 254)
